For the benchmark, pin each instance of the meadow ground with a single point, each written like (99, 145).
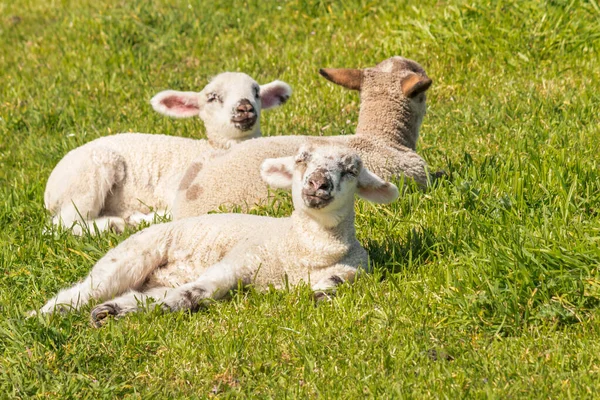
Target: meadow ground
(486, 285)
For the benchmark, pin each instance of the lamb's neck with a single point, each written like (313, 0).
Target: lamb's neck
(220, 142)
(321, 229)
(396, 124)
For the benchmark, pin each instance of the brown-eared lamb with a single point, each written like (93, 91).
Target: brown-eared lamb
(391, 111)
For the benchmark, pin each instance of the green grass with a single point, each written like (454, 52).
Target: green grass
(486, 285)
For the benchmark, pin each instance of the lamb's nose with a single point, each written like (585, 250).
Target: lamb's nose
(320, 183)
(244, 106)
(244, 114)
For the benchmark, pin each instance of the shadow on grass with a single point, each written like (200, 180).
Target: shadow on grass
(394, 254)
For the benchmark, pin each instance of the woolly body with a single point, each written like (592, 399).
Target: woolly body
(391, 112)
(126, 182)
(181, 263)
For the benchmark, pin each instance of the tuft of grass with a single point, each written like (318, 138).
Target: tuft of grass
(486, 285)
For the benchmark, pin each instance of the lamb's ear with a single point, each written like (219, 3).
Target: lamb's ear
(274, 94)
(177, 104)
(346, 77)
(278, 172)
(414, 84)
(373, 188)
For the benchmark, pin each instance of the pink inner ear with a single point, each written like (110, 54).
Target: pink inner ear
(273, 99)
(273, 169)
(374, 191)
(178, 104)
(273, 95)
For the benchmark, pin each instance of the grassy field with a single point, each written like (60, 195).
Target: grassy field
(486, 285)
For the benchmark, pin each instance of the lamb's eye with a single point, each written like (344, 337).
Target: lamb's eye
(350, 172)
(302, 158)
(211, 97)
(256, 92)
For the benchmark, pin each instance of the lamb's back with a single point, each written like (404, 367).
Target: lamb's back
(154, 165)
(233, 178)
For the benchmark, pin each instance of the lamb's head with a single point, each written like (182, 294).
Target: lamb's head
(229, 105)
(324, 180)
(392, 97)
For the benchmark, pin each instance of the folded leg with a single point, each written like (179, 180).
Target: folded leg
(131, 301)
(331, 278)
(213, 284)
(78, 188)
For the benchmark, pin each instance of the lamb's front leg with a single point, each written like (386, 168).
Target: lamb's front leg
(130, 302)
(331, 278)
(213, 284)
(138, 217)
(123, 268)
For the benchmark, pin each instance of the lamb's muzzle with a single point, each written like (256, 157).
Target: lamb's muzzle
(317, 189)
(244, 115)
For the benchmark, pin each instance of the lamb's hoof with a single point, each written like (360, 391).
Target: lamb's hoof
(321, 296)
(165, 308)
(441, 174)
(77, 230)
(117, 225)
(100, 313)
(190, 300)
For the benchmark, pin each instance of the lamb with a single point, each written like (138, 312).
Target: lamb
(391, 112)
(117, 180)
(181, 265)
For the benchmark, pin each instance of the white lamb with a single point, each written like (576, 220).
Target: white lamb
(181, 264)
(122, 179)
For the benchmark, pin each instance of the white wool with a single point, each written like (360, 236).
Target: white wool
(182, 264)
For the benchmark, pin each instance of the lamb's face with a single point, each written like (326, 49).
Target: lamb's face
(230, 105)
(400, 78)
(325, 179)
(393, 90)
